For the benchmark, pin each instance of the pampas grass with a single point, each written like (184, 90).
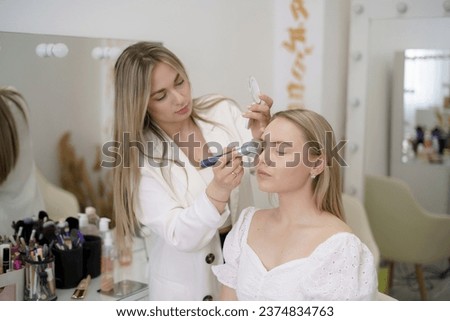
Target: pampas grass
(76, 179)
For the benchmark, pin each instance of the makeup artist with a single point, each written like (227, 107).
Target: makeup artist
(19, 193)
(162, 135)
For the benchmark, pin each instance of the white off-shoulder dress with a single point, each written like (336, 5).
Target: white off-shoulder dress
(340, 268)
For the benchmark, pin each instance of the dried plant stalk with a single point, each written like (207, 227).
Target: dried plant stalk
(75, 178)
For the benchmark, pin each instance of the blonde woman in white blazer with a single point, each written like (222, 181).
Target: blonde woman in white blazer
(161, 136)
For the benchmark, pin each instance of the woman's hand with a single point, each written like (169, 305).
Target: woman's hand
(259, 115)
(228, 172)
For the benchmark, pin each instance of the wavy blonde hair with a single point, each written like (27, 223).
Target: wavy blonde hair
(327, 185)
(9, 138)
(132, 75)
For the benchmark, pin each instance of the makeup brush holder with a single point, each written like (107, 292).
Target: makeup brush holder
(39, 280)
(68, 267)
(92, 255)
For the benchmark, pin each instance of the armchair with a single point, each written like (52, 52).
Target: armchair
(403, 230)
(356, 218)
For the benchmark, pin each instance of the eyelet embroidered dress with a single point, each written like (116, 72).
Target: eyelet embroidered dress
(340, 268)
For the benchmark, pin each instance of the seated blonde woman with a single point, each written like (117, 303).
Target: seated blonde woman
(302, 249)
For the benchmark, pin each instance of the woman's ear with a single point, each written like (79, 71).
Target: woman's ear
(318, 166)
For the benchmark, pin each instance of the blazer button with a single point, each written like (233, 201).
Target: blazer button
(208, 298)
(210, 258)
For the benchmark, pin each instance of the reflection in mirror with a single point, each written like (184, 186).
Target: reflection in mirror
(69, 90)
(426, 132)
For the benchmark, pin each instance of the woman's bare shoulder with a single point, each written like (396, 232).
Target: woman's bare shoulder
(263, 214)
(333, 224)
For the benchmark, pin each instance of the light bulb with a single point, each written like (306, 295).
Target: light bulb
(41, 50)
(59, 50)
(114, 53)
(355, 103)
(358, 8)
(402, 7)
(356, 56)
(446, 5)
(97, 53)
(105, 52)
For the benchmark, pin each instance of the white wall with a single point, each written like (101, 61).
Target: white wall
(221, 42)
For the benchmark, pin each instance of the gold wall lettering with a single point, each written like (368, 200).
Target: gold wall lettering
(297, 46)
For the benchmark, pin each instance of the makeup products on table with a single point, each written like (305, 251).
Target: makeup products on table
(6, 259)
(54, 255)
(107, 264)
(39, 275)
(80, 291)
(7, 255)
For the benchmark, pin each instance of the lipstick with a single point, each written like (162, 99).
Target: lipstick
(6, 259)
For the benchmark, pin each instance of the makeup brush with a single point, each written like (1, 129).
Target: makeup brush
(73, 223)
(253, 147)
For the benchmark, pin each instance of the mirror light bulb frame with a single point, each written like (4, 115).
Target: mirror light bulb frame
(446, 6)
(58, 50)
(358, 8)
(106, 53)
(402, 7)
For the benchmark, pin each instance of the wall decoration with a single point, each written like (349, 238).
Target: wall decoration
(297, 46)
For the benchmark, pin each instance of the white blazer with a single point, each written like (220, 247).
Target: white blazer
(183, 242)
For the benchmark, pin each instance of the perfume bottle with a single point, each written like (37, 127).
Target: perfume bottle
(107, 264)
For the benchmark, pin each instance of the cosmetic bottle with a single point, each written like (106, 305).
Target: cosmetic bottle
(92, 216)
(107, 264)
(103, 226)
(85, 227)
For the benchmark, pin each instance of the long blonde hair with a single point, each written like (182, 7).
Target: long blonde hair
(9, 139)
(132, 74)
(327, 185)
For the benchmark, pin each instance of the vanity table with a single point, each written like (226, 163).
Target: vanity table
(131, 280)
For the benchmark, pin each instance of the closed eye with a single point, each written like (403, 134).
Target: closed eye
(160, 96)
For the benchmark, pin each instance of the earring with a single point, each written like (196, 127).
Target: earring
(313, 176)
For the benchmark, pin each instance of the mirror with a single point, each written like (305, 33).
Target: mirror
(426, 106)
(73, 93)
(420, 99)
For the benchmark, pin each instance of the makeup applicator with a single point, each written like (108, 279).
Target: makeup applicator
(253, 147)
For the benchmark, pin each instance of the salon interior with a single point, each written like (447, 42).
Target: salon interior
(378, 70)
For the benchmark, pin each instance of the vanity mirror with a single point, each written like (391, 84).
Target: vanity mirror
(426, 106)
(420, 125)
(68, 85)
(380, 29)
(67, 82)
